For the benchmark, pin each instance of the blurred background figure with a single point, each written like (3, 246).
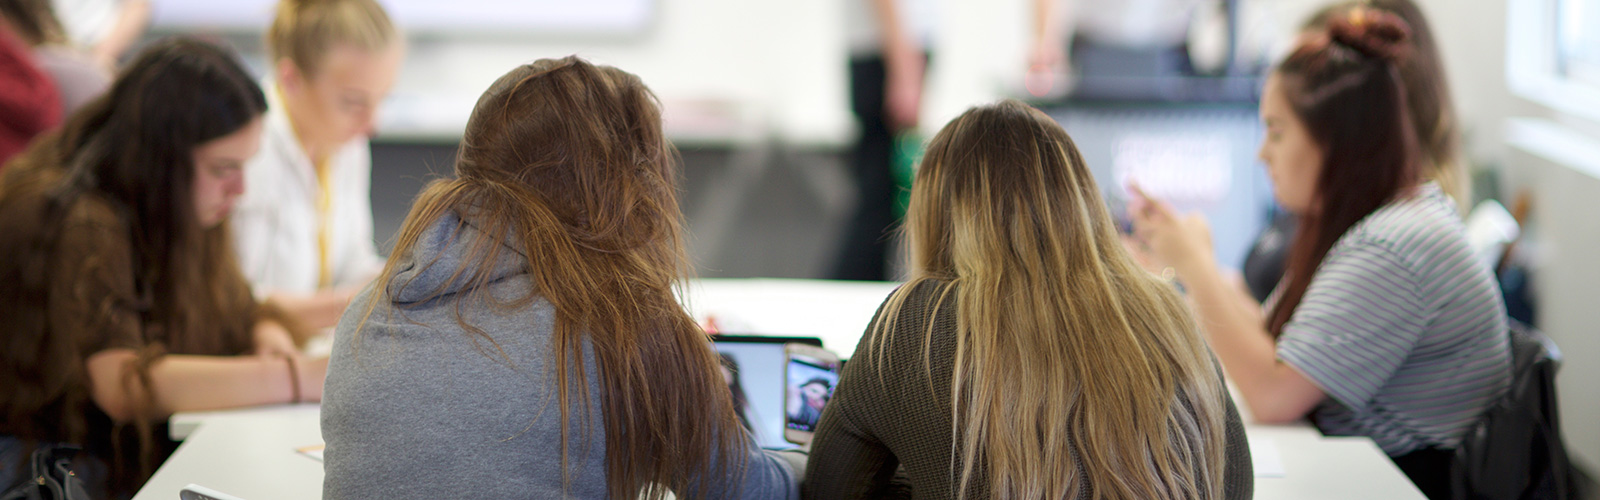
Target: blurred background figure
(29, 101)
(1140, 49)
(77, 76)
(106, 28)
(888, 42)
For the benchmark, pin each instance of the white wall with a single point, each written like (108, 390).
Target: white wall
(780, 65)
(1472, 34)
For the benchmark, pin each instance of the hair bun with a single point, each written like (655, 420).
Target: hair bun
(1372, 32)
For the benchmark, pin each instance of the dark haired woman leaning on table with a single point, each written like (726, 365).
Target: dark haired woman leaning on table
(121, 298)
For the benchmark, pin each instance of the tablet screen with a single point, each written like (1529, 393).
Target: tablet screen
(754, 372)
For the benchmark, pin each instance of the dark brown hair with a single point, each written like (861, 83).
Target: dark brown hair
(568, 160)
(1433, 113)
(35, 21)
(1344, 84)
(131, 151)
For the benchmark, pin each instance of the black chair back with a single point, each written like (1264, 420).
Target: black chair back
(1515, 451)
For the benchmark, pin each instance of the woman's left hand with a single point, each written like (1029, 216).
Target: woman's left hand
(272, 339)
(1181, 241)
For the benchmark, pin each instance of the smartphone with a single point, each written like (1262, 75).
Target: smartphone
(810, 375)
(197, 492)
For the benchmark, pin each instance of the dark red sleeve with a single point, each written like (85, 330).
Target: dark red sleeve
(29, 101)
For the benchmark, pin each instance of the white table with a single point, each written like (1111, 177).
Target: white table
(251, 453)
(246, 453)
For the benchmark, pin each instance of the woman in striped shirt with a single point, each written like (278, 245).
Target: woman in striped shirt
(1385, 324)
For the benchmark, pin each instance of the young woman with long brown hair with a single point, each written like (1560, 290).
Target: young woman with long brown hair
(122, 301)
(1386, 325)
(1029, 356)
(525, 340)
(1433, 119)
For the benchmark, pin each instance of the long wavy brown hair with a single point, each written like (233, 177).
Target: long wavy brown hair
(567, 159)
(1077, 373)
(130, 152)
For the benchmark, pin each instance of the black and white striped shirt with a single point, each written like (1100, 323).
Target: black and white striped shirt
(1403, 328)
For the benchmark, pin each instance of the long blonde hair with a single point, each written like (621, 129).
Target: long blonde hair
(567, 160)
(1069, 356)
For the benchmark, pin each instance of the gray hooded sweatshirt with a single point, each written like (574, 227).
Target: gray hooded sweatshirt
(414, 407)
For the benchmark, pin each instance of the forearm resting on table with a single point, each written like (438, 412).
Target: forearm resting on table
(316, 310)
(183, 383)
(1274, 392)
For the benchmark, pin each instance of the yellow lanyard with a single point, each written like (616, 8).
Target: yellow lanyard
(325, 220)
(324, 206)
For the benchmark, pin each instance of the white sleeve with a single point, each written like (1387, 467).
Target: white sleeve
(252, 223)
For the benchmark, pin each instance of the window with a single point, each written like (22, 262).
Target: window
(1578, 41)
(1553, 54)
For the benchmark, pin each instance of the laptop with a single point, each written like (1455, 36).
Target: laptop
(756, 367)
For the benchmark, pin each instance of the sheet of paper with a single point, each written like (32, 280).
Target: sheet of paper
(1263, 455)
(315, 451)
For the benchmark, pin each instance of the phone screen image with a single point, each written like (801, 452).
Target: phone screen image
(810, 384)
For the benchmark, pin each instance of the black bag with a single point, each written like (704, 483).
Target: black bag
(51, 477)
(1515, 451)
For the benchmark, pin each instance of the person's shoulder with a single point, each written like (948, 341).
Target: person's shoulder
(920, 298)
(355, 155)
(27, 194)
(270, 158)
(95, 209)
(905, 317)
(1419, 219)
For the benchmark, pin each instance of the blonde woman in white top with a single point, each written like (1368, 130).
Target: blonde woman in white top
(304, 227)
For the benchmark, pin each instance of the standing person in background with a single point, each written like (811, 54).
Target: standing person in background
(1387, 325)
(1156, 24)
(29, 101)
(122, 300)
(1029, 355)
(304, 229)
(525, 341)
(1433, 118)
(106, 28)
(76, 75)
(888, 60)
